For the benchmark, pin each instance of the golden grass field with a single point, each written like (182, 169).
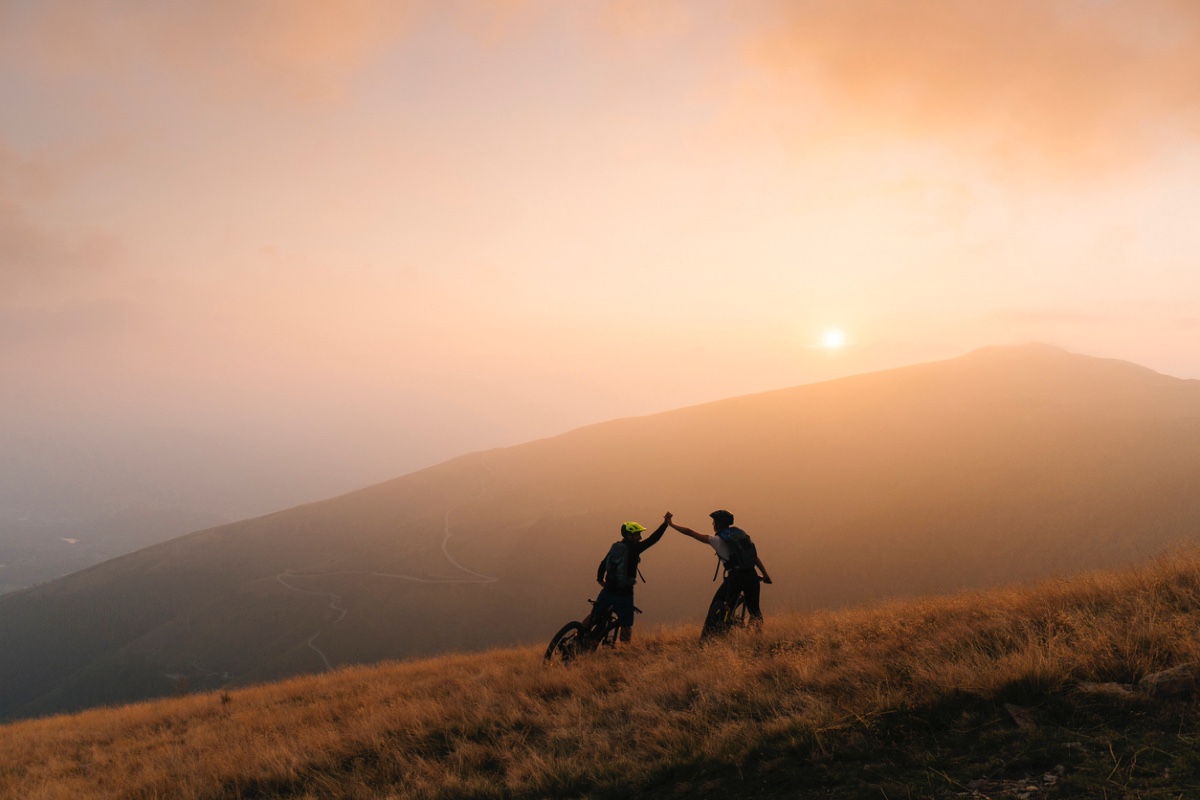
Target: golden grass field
(660, 716)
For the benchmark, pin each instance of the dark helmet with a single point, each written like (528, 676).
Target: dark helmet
(722, 517)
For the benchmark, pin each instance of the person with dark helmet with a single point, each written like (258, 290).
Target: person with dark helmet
(739, 556)
(618, 574)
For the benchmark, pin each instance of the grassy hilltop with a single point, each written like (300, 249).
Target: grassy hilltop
(974, 695)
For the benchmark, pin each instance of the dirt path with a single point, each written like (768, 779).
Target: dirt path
(334, 599)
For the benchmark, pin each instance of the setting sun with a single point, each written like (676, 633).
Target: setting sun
(833, 338)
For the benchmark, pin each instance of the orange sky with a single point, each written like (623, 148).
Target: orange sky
(348, 240)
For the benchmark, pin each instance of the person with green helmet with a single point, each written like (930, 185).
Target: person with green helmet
(618, 573)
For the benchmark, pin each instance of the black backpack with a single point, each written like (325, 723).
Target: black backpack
(742, 552)
(616, 567)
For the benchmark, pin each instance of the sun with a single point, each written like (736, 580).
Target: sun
(833, 339)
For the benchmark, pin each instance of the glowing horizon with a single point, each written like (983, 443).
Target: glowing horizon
(389, 233)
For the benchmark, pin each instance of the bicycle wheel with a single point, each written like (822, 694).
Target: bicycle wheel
(716, 622)
(608, 638)
(565, 644)
(736, 613)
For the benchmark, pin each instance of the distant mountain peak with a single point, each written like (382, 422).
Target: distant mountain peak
(1038, 355)
(1026, 350)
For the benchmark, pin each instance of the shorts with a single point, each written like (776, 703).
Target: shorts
(621, 603)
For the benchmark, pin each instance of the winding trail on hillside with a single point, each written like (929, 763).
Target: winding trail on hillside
(335, 599)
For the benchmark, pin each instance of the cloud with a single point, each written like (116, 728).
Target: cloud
(69, 324)
(1035, 316)
(301, 49)
(1065, 84)
(33, 256)
(304, 47)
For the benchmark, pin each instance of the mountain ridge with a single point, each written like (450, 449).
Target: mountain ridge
(1005, 464)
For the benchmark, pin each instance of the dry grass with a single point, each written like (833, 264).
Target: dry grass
(503, 724)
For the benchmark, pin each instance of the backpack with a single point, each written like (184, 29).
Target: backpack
(616, 567)
(742, 552)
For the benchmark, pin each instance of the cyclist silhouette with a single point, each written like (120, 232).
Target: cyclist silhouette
(739, 556)
(618, 574)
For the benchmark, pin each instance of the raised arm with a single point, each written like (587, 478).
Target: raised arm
(653, 538)
(699, 537)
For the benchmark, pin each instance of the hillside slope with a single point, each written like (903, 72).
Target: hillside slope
(1051, 691)
(1005, 465)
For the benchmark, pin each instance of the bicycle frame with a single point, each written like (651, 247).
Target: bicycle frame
(574, 639)
(729, 615)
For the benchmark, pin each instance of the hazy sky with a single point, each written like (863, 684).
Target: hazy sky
(328, 243)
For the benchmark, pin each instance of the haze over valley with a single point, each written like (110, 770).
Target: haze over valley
(255, 255)
(1005, 465)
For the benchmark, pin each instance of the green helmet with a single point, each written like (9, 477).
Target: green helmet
(631, 528)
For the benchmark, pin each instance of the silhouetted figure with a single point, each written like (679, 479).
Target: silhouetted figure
(618, 574)
(739, 556)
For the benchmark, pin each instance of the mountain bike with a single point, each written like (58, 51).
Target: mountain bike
(575, 640)
(727, 614)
